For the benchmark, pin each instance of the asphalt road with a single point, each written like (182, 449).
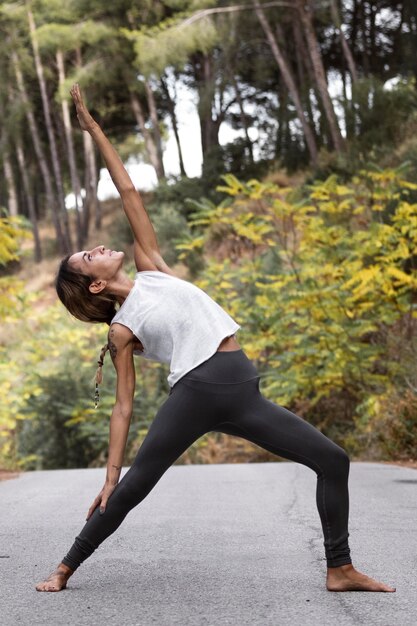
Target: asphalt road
(211, 545)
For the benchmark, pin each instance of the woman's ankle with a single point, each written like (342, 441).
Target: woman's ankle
(340, 569)
(64, 569)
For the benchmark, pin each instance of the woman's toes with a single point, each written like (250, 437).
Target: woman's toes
(48, 585)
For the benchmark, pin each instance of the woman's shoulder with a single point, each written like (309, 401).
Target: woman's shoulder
(120, 333)
(156, 273)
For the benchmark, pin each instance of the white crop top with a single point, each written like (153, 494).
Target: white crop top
(176, 322)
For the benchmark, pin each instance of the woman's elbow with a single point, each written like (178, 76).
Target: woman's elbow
(123, 410)
(128, 190)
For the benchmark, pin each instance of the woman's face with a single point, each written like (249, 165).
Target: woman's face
(100, 263)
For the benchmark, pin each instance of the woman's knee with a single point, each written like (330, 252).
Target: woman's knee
(336, 461)
(130, 491)
(343, 460)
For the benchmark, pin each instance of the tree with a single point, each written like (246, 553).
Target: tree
(326, 287)
(289, 81)
(40, 154)
(305, 12)
(50, 129)
(29, 199)
(12, 231)
(75, 181)
(334, 9)
(170, 103)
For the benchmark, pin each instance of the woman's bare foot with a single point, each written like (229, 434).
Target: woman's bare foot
(347, 578)
(57, 580)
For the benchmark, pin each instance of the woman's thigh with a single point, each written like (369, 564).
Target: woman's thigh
(177, 424)
(278, 430)
(183, 418)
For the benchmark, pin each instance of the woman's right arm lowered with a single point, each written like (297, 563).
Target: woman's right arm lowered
(140, 223)
(121, 351)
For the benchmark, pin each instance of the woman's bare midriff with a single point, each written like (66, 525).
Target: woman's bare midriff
(228, 344)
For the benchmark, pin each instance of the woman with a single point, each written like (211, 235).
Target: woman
(214, 386)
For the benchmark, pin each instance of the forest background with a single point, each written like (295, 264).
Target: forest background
(303, 225)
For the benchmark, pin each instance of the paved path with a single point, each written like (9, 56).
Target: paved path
(211, 545)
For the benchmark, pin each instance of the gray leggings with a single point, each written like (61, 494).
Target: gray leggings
(222, 395)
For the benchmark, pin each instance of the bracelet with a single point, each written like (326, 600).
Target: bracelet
(117, 466)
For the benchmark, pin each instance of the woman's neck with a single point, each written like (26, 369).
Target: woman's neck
(120, 287)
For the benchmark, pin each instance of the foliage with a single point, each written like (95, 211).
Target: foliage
(169, 225)
(12, 231)
(170, 43)
(177, 192)
(380, 113)
(136, 61)
(47, 417)
(322, 280)
(395, 431)
(333, 324)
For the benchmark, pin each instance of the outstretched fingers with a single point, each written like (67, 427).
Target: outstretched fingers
(93, 507)
(75, 92)
(84, 117)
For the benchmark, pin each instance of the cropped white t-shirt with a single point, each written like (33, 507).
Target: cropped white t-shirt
(176, 322)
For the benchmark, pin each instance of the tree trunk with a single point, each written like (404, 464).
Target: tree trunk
(75, 180)
(321, 131)
(299, 50)
(12, 199)
(91, 203)
(343, 41)
(49, 128)
(363, 33)
(160, 172)
(29, 199)
(209, 127)
(373, 10)
(43, 164)
(12, 202)
(150, 145)
(171, 108)
(306, 17)
(412, 22)
(288, 80)
(282, 103)
(303, 71)
(243, 120)
(208, 132)
(354, 24)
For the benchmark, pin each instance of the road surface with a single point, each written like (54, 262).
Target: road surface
(211, 545)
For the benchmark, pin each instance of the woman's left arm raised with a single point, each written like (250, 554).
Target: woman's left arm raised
(146, 244)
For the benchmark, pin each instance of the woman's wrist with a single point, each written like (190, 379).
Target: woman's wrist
(113, 474)
(93, 128)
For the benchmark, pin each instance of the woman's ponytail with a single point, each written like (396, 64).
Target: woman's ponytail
(99, 374)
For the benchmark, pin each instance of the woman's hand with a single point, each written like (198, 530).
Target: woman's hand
(101, 499)
(84, 117)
